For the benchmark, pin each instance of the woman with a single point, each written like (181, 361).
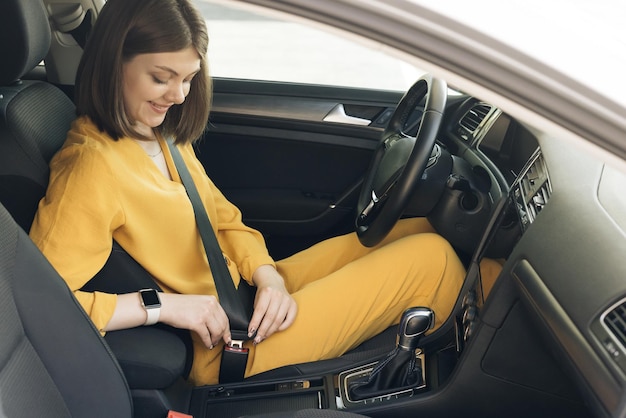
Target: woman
(143, 77)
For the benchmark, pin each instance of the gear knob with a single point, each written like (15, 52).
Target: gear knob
(413, 324)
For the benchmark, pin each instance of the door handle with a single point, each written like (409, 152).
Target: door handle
(338, 115)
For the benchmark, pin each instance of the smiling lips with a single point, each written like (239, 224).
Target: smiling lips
(159, 108)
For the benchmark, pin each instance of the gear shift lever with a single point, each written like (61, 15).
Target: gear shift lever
(399, 369)
(413, 324)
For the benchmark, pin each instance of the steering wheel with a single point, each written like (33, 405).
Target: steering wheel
(399, 161)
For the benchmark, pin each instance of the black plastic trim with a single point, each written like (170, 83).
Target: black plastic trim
(595, 375)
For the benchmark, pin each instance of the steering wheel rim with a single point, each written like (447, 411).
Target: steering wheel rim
(399, 161)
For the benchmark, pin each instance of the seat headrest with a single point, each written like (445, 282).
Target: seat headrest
(24, 37)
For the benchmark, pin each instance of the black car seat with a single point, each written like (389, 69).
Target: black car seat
(35, 115)
(34, 119)
(53, 361)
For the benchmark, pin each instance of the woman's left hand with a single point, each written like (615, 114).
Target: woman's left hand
(274, 308)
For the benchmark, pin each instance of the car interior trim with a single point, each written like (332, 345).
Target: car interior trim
(554, 319)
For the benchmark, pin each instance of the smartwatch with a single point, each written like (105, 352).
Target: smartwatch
(152, 304)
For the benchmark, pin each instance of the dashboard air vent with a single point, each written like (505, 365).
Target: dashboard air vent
(474, 117)
(615, 321)
(532, 189)
(610, 331)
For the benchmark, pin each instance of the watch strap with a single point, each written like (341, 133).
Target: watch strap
(153, 316)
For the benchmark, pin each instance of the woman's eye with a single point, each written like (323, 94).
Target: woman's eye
(158, 80)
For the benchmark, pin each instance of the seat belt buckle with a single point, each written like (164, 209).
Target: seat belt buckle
(234, 360)
(236, 345)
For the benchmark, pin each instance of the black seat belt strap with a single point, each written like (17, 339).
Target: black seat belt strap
(235, 356)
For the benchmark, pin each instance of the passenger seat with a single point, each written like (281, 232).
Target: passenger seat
(34, 119)
(54, 363)
(34, 116)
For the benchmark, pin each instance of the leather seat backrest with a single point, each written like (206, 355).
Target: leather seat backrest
(52, 361)
(34, 115)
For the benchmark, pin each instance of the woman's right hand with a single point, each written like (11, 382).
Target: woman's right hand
(199, 313)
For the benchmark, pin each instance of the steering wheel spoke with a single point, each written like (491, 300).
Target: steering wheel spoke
(399, 161)
(369, 208)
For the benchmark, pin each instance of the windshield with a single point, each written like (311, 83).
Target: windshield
(582, 39)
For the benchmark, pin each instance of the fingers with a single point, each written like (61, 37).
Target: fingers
(199, 313)
(274, 310)
(211, 325)
(226, 336)
(289, 318)
(218, 328)
(261, 304)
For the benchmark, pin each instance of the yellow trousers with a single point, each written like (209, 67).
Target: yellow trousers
(347, 293)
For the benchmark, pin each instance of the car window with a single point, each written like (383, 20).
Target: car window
(583, 39)
(247, 44)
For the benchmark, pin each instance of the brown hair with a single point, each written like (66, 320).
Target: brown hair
(124, 29)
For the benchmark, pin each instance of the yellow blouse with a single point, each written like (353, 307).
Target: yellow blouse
(101, 189)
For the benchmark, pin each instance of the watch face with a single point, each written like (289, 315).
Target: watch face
(150, 298)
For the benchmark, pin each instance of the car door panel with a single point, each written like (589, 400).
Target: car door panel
(295, 176)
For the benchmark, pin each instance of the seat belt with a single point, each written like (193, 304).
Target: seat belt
(74, 21)
(235, 355)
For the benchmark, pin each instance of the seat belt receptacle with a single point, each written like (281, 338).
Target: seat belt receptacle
(234, 360)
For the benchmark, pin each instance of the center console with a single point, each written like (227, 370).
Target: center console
(401, 373)
(329, 391)
(347, 378)
(234, 400)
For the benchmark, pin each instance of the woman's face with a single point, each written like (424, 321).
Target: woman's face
(155, 82)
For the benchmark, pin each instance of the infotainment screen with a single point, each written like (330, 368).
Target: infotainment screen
(509, 145)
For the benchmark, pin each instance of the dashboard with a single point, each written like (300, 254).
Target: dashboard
(495, 158)
(561, 268)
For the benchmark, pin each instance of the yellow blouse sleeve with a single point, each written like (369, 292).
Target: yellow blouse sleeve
(74, 223)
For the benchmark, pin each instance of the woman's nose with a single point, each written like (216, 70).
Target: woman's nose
(177, 93)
